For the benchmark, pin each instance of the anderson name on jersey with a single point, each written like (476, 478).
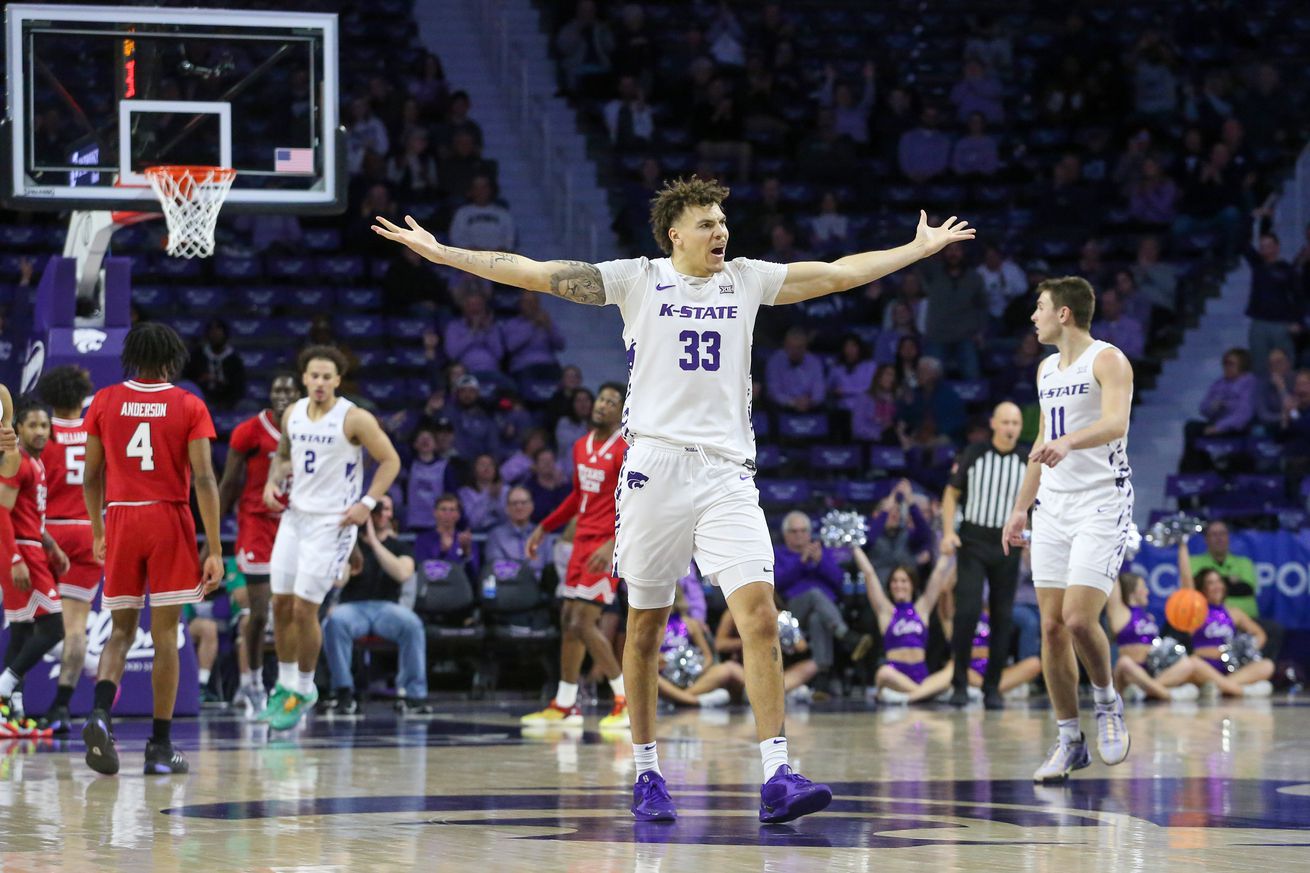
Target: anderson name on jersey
(689, 349)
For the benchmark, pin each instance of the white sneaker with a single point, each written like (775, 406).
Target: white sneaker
(892, 696)
(975, 694)
(252, 700)
(1184, 692)
(800, 695)
(1112, 739)
(715, 699)
(1133, 694)
(1262, 688)
(1020, 692)
(1209, 691)
(1063, 759)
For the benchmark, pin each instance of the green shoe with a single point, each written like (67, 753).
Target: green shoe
(293, 707)
(275, 701)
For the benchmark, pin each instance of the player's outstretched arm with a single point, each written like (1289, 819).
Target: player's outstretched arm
(570, 280)
(201, 457)
(809, 279)
(1115, 375)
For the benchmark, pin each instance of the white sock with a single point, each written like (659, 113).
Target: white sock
(567, 695)
(1069, 732)
(288, 674)
(8, 682)
(204, 677)
(616, 685)
(773, 752)
(1103, 696)
(646, 758)
(305, 682)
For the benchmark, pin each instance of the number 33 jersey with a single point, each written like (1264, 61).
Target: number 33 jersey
(1071, 400)
(689, 349)
(145, 428)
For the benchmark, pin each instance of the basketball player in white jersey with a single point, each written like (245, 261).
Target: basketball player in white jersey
(1082, 504)
(323, 440)
(687, 487)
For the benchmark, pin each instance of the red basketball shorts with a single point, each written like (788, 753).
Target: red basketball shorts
(42, 598)
(580, 583)
(255, 535)
(84, 573)
(151, 548)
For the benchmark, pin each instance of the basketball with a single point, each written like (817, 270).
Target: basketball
(1186, 610)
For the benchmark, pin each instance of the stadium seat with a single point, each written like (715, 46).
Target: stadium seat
(263, 298)
(232, 268)
(835, 459)
(187, 327)
(153, 297)
(861, 491)
(760, 424)
(359, 327)
(298, 268)
(407, 328)
(1192, 484)
(768, 457)
(784, 493)
(886, 458)
(312, 299)
(343, 269)
(360, 298)
(203, 298)
(806, 427)
(321, 239)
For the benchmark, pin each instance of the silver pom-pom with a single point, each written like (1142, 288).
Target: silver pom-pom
(1164, 653)
(843, 528)
(683, 665)
(1134, 543)
(1239, 652)
(789, 632)
(1169, 532)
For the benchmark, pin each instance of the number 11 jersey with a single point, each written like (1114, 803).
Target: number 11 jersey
(145, 428)
(688, 341)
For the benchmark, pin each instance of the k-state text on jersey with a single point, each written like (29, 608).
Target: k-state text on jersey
(670, 310)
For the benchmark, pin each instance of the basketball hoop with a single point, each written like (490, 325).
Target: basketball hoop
(191, 197)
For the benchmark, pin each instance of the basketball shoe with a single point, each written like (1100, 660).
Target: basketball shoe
(554, 714)
(1062, 760)
(252, 699)
(789, 795)
(618, 717)
(101, 754)
(274, 702)
(1112, 739)
(651, 800)
(162, 759)
(293, 708)
(14, 724)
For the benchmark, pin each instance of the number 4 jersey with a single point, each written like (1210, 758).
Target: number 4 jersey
(689, 349)
(145, 428)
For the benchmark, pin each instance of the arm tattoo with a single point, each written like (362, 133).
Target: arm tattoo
(578, 281)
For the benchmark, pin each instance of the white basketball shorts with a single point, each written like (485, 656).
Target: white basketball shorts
(309, 553)
(1079, 538)
(676, 503)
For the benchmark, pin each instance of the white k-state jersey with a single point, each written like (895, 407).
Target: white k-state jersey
(327, 471)
(689, 350)
(1071, 400)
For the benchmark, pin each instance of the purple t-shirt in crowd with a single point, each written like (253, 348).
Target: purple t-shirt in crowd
(529, 344)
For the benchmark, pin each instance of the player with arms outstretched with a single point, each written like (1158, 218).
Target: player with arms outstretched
(321, 449)
(1082, 504)
(146, 442)
(251, 449)
(590, 585)
(688, 483)
(65, 389)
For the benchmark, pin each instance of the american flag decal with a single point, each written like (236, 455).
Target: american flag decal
(293, 160)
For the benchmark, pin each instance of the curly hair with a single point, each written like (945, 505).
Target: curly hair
(65, 387)
(27, 405)
(667, 206)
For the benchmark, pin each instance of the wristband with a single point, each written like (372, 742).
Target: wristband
(370, 501)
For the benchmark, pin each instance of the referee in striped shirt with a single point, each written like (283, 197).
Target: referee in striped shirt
(986, 478)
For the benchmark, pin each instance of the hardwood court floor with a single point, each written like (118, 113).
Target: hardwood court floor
(1209, 786)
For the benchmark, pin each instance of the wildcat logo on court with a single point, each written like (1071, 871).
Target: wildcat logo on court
(637, 480)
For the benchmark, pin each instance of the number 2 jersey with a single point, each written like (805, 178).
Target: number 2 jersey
(689, 349)
(1071, 400)
(145, 428)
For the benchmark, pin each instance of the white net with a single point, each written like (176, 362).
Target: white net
(191, 198)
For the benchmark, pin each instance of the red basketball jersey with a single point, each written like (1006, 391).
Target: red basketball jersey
(596, 468)
(257, 439)
(65, 460)
(28, 514)
(145, 428)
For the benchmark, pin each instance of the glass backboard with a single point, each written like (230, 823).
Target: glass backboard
(98, 93)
